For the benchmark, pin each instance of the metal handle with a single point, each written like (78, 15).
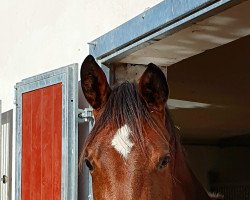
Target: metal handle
(5, 179)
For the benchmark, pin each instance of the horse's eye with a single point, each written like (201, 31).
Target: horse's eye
(163, 162)
(89, 165)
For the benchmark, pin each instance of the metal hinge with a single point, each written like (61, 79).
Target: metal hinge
(85, 115)
(15, 96)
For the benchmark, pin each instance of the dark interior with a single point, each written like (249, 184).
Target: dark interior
(216, 136)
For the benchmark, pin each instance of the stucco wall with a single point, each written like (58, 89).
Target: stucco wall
(37, 36)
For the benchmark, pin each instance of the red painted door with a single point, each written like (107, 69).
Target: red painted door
(42, 143)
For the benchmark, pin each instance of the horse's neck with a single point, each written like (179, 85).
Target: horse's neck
(186, 185)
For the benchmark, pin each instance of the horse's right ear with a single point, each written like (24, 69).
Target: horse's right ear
(94, 84)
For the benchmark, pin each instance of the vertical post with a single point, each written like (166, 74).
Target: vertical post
(86, 115)
(6, 131)
(1, 153)
(90, 177)
(0, 117)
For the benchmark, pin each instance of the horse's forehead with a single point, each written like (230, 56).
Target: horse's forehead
(121, 141)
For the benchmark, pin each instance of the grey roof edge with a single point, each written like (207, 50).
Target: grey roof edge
(146, 28)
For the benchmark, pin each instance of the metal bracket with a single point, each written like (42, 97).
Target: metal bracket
(85, 115)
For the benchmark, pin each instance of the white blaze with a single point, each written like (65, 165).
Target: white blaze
(121, 141)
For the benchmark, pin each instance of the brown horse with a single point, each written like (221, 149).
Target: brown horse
(133, 152)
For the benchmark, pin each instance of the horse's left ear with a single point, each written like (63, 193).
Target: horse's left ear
(153, 87)
(94, 83)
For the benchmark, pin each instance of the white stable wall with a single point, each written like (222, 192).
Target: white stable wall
(41, 35)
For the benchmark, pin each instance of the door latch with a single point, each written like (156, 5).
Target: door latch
(4, 179)
(85, 115)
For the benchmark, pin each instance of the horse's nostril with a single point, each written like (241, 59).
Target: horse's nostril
(89, 165)
(163, 162)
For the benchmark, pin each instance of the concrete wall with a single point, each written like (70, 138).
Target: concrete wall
(121, 72)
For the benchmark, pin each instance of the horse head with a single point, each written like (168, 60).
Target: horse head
(132, 151)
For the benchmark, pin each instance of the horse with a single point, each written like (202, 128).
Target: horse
(133, 151)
